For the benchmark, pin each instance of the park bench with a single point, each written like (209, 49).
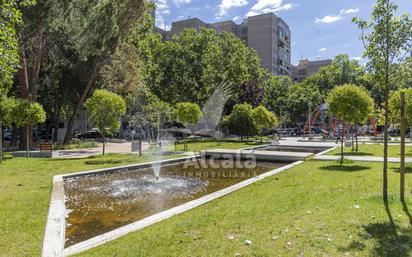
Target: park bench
(46, 147)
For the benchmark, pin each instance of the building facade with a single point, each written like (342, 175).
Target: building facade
(307, 68)
(268, 34)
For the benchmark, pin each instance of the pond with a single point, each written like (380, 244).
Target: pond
(100, 203)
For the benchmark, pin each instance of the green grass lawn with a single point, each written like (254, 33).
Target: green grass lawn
(373, 150)
(316, 209)
(204, 145)
(79, 145)
(25, 187)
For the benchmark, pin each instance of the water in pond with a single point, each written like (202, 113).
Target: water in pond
(101, 203)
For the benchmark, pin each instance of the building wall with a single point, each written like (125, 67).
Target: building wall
(194, 23)
(307, 68)
(269, 35)
(261, 37)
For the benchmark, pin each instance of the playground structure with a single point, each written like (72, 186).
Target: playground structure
(330, 129)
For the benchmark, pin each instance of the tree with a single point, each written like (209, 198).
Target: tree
(190, 66)
(188, 114)
(240, 121)
(351, 104)
(300, 97)
(10, 18)
(94, 31)
(263, 119)
(387, 41)
(27, 114)
(275, 96)
(106, 109)
(7, 106)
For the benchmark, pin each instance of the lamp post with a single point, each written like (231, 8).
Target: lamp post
(310, 122)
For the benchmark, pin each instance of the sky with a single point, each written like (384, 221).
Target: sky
(321, 29)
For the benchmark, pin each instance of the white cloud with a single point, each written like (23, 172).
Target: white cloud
(267, 6)
(162, 9)
(356, 58)
(178, 2)
(329, 19)
(226, 5)
(236, 18)
(348, 11)
(335, 18)
(323, 49)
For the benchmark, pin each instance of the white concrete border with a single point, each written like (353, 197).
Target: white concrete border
(326, 151)
(54, 235)
(114, 234)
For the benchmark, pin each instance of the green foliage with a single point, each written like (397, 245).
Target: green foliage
(10, 18)
(263, 118)
(387, 40)
(300, 96)
(26, 113)
(7, 105)
(395, 106)
(275, 96)
(106, 109)
(350, 103)
(188, 113)
(192, 65)
(157, 112)
(240, 121)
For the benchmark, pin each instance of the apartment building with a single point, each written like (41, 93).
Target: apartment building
(268, 34)
(307, 68)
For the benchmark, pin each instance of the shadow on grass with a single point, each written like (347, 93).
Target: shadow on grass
(103, 161)
(407, 170)
(406, 210)
(345, 168)
(355, 154)
(390, 240)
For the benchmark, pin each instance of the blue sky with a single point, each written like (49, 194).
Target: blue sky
(320, 28)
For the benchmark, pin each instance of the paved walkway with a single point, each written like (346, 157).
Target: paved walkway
(360, 158)
(122, 148)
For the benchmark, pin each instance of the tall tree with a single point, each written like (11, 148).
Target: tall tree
(10, 18)
(95, 29)
(275, 96)
(192, 65)
(387, 40)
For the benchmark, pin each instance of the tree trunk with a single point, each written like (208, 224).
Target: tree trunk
(86, 91)
(27, 142)
(353, 145)
(104, 145)
(357, 145)
(1, 142)
(402, 166)
(341, 144)
(13, 141)
(385, 153)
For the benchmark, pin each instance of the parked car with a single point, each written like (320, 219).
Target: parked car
(90, 134)
(7, 135)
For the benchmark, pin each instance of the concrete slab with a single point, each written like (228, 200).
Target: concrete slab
(259, 155)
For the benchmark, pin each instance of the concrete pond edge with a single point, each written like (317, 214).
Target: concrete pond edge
(54, 236)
